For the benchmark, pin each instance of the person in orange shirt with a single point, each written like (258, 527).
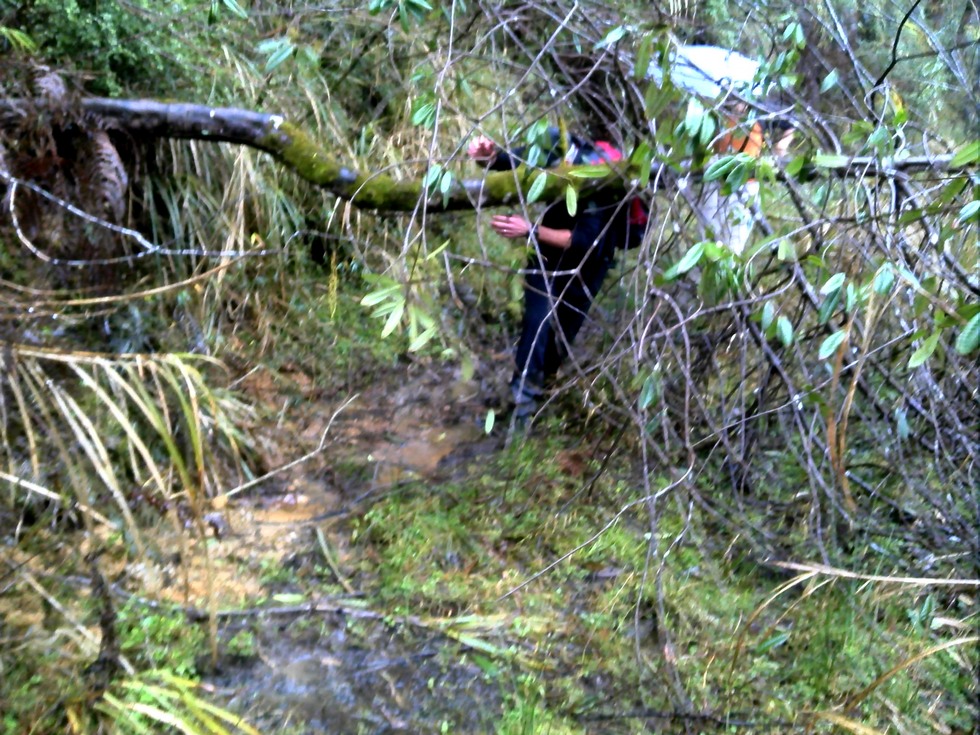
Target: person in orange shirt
(729, 217)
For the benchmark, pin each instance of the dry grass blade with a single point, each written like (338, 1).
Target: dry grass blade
(88, 436)
(31, 374)
(846, 723)
(855, 700)
(125, 423)
(33, 487)
(844, 574)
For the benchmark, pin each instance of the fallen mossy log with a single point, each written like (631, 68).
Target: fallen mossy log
(297, 150)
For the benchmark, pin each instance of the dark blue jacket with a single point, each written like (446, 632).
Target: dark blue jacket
(603, 222)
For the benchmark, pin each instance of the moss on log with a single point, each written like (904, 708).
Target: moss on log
(296, 149)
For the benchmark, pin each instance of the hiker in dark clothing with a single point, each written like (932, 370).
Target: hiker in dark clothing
(570, 260)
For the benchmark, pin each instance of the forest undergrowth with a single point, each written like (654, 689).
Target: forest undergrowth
(257, 474)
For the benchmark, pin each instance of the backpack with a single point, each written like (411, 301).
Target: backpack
(637, 214)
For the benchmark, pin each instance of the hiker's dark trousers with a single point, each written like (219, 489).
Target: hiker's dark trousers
(556, 303)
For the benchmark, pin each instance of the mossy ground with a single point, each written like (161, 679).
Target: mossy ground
(549, 589)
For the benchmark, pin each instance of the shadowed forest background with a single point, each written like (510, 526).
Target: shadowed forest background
(255, 470)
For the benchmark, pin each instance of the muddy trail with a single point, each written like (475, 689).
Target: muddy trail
(300, 661)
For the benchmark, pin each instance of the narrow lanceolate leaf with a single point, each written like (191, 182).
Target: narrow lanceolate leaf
(382, 294)
(690, 259)
(827, 160)
(884, 280)
(235, 8)
(925, 350)
(423, 339)
(611, 38)
(650, 391)
(537, 188)
(720, 168)
(969, 154)
(393, 319)
(831, 344)
(279, 57)
(969, 211)
(784, 329)
(589, 172)
(969, 339)
(571, 200)
(768, 314)
(833, 283)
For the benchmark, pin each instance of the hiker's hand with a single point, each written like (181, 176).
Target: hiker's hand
(510, 225)
(482, 149)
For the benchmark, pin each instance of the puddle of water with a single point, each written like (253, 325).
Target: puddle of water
(377, 680)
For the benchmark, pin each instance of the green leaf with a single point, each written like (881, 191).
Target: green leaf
(828, 306)
(18, 39)
(829, 346)
(235, 8)
(970, 153)
(969, 338)
(643, 54)
(768, 314)
(833, 284)
(794, 167)
(643, 158)
(829, 81)
(435, 253)
(376, 297)
(488, 422)
(690, 259)
(720, 168)
(784, 329)
(650, 391)
(921, 355)
(884, 280)
(288, 598)
(424, 114)
(537, 188)
(707, 131)
(285, 51)
(432, 175)
(423, 339)
(446, 183)
(589, 172)
(611, 38)
(693, 117)
(902, 422)
(786, 251)
(656, 99)
(826, 160)
(394, 319)
(775, 642)
(969, 211)
(571, 200)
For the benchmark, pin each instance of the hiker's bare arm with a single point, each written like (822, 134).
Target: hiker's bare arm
(514, 226)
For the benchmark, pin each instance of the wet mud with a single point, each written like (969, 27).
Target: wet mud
(347, 669)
